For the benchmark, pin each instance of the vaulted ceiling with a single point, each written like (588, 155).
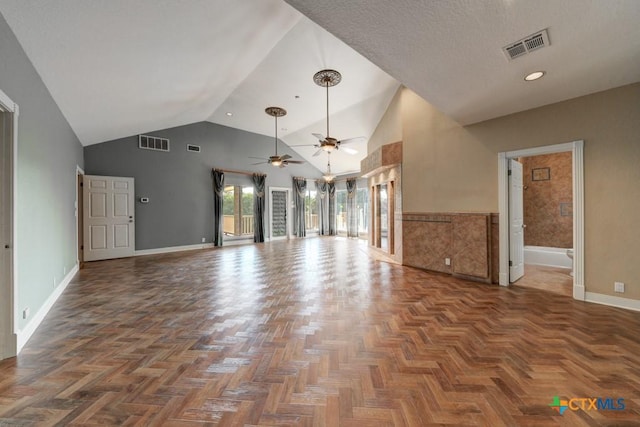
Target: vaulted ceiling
(120, 67)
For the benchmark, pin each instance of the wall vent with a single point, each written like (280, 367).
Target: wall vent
(153, 143)
(528, 44)
(194, 148)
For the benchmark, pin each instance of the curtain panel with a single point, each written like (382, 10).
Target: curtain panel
(258, 207)
(352, 213)
(332, 208)
(323, 221)
(218, 190)
(300, 188)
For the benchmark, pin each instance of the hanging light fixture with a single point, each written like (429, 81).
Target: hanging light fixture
(328, 176)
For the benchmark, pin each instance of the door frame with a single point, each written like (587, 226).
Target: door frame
(577, 150)
(79, 217)
(516, 249)
(8, 336)
(288, 209)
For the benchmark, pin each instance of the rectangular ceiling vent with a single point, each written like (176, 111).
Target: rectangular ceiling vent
(147, 142)
(193, 148)
(528, 44)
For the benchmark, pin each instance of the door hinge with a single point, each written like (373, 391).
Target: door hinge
(509, 173)
(82, 247)
(510, 263)
(82, 183)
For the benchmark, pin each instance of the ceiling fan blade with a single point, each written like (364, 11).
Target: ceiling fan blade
(285, 157)
(304, 145)
(259, 158)
(349, 150)
(352, 140)
(319, 136)
(298, 162)
(317, 153)
(260, 163)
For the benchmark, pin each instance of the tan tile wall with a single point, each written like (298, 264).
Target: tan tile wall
(546, 226)
(427, 241)
(469, 240)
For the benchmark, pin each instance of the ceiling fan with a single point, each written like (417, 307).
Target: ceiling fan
(276, 160)
(328, 78)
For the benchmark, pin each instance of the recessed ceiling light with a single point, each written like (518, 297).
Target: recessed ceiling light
(229, 113)
(534, 76)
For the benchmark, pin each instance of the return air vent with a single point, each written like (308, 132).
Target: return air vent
(153, 143)
(528, 44)
(193, 148)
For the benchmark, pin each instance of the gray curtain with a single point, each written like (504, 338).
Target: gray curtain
(332, 208)
(300, 189)
(258, 207)
(352, 214)
(321, 188)
(218, 190)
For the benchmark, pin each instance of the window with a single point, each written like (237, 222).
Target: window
(237, 208)
(341, 211)
(311, 210)
(362, 210)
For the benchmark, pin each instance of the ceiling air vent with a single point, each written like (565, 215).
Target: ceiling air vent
(526, 45)
(153, 143)
(193, 148)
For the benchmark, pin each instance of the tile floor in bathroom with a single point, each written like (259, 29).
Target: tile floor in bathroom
(552, 279)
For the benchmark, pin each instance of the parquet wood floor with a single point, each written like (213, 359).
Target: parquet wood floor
(314, 332)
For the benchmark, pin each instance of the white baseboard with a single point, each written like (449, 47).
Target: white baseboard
(24, 334)
(173, 249)
(627, 303)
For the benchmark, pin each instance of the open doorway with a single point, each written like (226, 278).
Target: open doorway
(547, 215)
(512, 250)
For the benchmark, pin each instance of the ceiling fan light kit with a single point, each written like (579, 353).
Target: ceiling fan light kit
(276, 160)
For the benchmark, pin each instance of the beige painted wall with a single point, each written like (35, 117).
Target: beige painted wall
(453, 168)
(389, 128)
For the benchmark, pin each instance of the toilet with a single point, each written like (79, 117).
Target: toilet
(570, 255)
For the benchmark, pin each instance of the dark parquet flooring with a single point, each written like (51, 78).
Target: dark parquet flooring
(315, 332)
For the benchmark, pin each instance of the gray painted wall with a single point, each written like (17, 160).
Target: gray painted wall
(48, 153)
(179, 184)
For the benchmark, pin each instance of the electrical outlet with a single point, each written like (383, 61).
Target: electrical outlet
(618, 287)
(204, 239)
(447, 261)
(25, 313)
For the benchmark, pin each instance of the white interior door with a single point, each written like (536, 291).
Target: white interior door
(108, 217)
(516, 221)
(278, 207)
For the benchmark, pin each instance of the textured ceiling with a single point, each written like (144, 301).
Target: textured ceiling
(120, 67)
(449, 52)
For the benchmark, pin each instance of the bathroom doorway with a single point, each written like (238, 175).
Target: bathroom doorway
(552, 192)
(547, 218)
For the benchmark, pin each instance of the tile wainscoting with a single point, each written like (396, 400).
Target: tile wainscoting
(468, 240)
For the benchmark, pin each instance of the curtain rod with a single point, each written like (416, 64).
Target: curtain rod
(319, 179)
(239, 172)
